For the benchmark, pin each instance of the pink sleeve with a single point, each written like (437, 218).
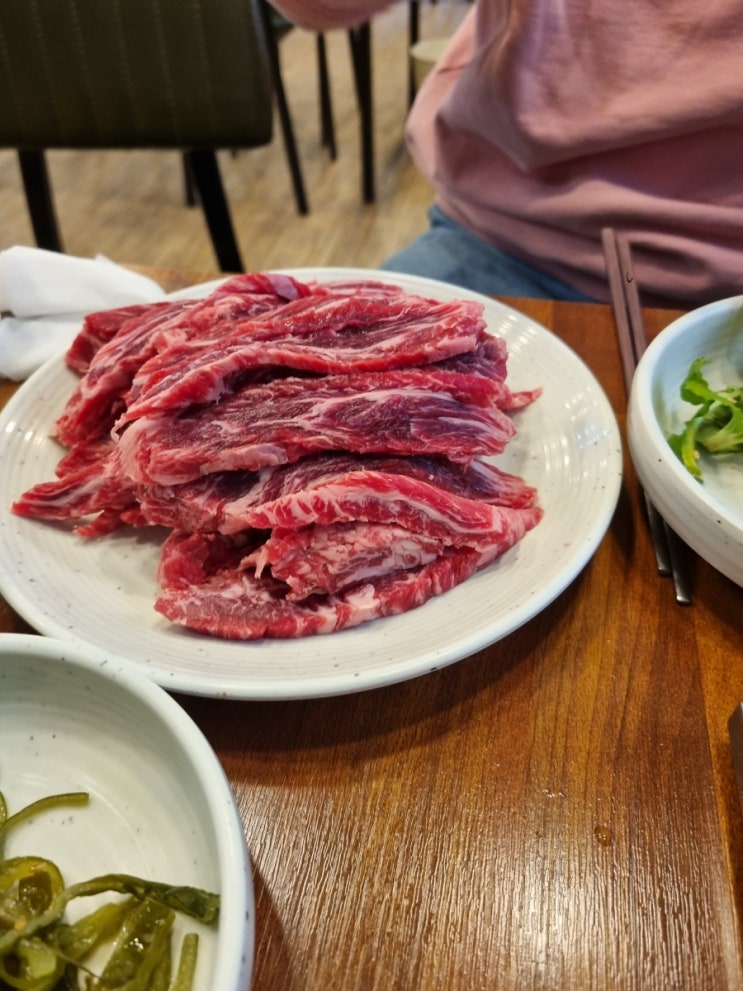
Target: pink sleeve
(545, 120)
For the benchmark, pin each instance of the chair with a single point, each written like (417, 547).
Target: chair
(360, 44)
(178, 74)
(277, 27)
(359, 40)
(361, 57)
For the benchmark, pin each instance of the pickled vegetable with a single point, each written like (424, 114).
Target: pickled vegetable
(717, 425)
(41, 951)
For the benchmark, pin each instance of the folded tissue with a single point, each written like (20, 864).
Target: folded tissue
(44, 296)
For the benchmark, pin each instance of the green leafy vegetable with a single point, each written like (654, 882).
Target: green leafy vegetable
(40, 951)
(717, 426)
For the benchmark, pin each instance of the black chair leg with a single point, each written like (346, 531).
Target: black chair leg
(203, 168)
(360, 43)
(413, 38)
(327, 124)
(188, 183)
(287, 130)
(38, 190)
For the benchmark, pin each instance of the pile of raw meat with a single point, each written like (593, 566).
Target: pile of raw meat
(316, 451)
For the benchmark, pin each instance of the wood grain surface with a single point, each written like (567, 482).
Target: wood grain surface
(557, 811)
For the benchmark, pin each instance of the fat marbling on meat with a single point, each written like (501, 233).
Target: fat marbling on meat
(320, 452)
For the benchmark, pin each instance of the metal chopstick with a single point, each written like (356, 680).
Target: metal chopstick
(670, 550)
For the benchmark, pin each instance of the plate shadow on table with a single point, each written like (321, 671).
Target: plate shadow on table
(385, 719)
(271, 940)
(622, 530)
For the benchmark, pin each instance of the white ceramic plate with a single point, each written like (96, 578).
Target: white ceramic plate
(160, 805)
(103, 592)
(707, 515)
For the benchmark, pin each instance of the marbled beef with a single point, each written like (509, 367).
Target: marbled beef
(317, 451)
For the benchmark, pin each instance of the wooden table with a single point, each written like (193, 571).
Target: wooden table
(558, 811)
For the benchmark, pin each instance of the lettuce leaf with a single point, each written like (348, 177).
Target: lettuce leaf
(716, 427)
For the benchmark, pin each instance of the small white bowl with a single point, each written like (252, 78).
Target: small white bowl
(708, 515)
(160, 804)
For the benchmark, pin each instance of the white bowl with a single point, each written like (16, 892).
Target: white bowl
(708, 515)
(160, 805)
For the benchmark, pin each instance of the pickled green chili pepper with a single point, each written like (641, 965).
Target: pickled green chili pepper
(39, 951)
(42, 805)
(28, 886)
(74, 941)
(139, 945)
(160, 978)
(195, 902)
(184, 976)
(33, 966)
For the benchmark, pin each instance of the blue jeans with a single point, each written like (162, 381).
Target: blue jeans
(449, 253)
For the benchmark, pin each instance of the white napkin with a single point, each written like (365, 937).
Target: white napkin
(47, 294)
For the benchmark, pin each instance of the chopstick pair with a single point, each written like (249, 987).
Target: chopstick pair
(670, 550)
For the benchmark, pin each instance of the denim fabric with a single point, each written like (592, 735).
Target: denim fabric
(452, 254)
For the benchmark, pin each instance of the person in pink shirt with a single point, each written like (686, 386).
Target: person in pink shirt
(547, 120)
